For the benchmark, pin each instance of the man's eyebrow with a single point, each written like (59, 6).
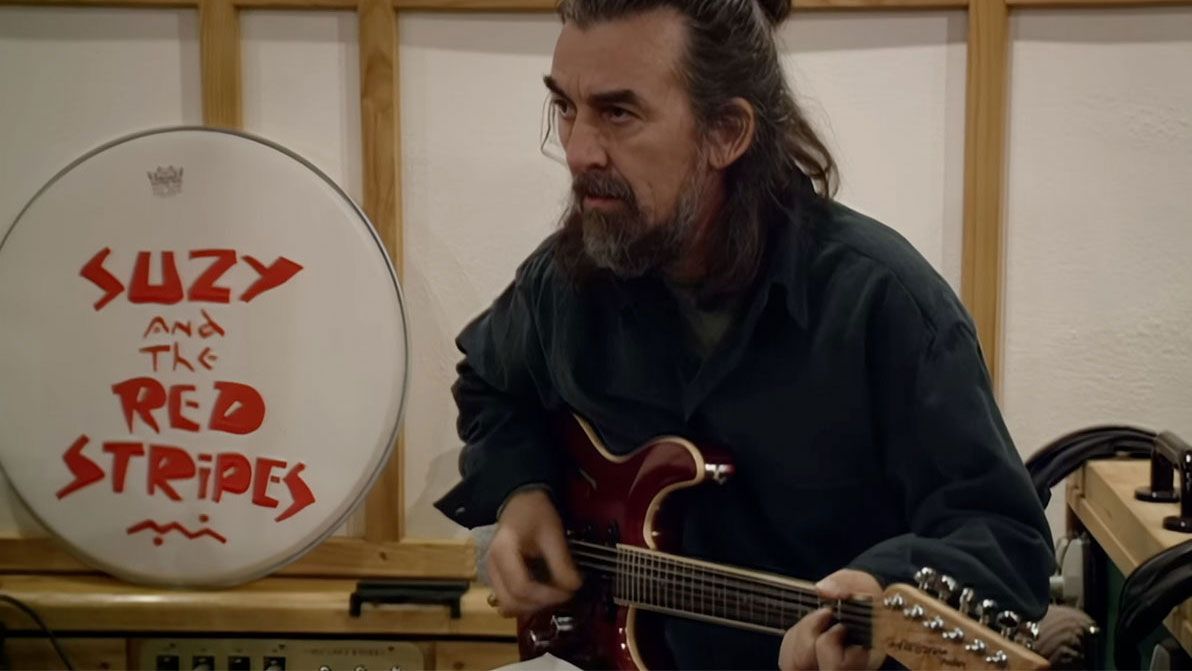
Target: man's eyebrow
(554, 87)
(604, 98)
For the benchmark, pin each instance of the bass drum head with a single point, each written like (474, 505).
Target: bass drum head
(203, 357)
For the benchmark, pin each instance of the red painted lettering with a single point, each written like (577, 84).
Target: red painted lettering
(140, 396)
(233, 474)
(239, 409)
(203, 288)
(141, 290)
(168, 463)
(177, 419)
(84, 471)
(100, 277)
(299, 493)
(121, 453)
(260, 482)
(270, 277)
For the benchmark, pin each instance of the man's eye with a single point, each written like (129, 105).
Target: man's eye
(563, 108)
(618, 114)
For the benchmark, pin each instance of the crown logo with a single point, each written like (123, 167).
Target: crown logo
(166, 181)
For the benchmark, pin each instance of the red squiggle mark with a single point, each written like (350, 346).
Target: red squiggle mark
(175, 526)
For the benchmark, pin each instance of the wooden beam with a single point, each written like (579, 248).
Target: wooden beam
(296, 4)
(335, 557)
(384, 508)
(140, 4)
(984, 168)
(1096, 4)
(219, 48)
(549, 5)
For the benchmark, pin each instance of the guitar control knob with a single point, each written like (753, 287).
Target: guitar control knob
(935, 624)
(977, 646)
(956, 634)
(998, 659)
(925, 578)
(914, 612)
(985, 611)
(1007, 622)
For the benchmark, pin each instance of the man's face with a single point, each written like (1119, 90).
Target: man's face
(625, 122)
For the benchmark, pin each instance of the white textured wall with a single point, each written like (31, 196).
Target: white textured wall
(72, 79)
(1098, 306)
(301, 76)
(478, 195)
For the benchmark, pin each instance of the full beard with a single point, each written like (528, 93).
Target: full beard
(624, 241)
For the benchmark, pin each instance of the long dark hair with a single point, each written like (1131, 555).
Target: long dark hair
(731, 53)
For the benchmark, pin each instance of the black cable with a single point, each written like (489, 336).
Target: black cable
(20, 605)
(1055, 461)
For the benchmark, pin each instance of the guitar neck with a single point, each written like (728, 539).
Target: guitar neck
(700, 590)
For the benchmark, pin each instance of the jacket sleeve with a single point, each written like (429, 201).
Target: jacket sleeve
(501, 387)
(967, 499)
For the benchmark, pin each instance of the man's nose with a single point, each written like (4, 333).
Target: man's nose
(585, 149)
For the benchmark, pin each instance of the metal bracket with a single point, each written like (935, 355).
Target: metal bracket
(426, 592)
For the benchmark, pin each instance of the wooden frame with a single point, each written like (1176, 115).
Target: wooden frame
(384, 550)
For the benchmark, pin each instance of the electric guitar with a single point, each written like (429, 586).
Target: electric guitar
(620, 527)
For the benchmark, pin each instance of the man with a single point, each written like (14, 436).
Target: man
(704, 284)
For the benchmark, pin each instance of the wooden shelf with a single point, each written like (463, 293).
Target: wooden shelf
(272, 605)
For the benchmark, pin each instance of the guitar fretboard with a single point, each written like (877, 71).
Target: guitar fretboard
(745, 599)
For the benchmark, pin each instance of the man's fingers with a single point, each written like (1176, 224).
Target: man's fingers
(501, 595)
(856, 657)
(526, 595)
(798, 646)
(829, 648)
(558, 560)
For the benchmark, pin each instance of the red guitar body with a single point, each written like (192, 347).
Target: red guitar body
(609, 500)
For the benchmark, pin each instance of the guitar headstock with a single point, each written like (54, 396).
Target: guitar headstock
(937, 625)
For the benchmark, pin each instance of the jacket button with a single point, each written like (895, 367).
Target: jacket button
(460, 510)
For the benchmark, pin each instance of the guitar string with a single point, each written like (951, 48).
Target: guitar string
(663, 567)
(771, 603)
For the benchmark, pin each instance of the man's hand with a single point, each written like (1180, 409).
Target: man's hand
(811, 644)
(530, 534)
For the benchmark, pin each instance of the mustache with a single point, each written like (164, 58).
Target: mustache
(601, 185)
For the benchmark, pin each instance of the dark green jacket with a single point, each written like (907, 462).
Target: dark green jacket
(851, 392)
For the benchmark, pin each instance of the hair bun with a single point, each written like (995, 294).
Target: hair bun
(776, 11)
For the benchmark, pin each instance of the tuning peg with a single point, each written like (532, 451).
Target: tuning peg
(976, 646)
(985, 611)
(1007, 622)
(935, 624)
(894, 602)
(965, 602)
(945, 588)
(925, 578)
(956, 634)
(998, 659)
(914, 612)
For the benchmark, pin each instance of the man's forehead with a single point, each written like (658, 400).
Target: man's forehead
(641, 52)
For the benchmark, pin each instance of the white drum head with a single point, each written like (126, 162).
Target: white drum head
(203, 357)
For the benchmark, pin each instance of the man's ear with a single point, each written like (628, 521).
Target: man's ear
(732, 134)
